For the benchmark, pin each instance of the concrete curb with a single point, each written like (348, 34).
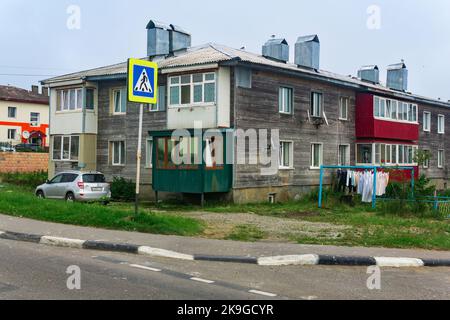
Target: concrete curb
(288, 260)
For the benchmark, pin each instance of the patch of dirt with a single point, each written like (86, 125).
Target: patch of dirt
(220, 225)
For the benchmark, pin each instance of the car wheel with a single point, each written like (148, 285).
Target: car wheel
(70, 197)
(40, 194)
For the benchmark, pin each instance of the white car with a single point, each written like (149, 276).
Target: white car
(76, 186)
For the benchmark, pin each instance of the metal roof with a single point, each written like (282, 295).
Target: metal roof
(371, 67)
(397, 66)
(216, 53)
(158, 25)
(313, 37)
(9, 93)
(277, 41)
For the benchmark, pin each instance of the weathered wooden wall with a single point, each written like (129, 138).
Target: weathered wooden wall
(258, 108)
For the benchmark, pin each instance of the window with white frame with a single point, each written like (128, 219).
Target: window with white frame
(343, 108)
(344, 155)
(35, 119)
(441, 124)
(386, 154)
(389, 109)
(161, 102)
(149, 152)
(316, 104)
(286, 155)
(118, 154)
(65, 148)
(316, 155)
(440, 159)
(119, 101)
(12, 112)
(69, 99)
(12, 134)
(192, 89)
(426, 121)
(426, 161)
(285, 100)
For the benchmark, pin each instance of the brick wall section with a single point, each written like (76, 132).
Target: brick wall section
(23, 162)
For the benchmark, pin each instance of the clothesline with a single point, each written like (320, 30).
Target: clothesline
(375, 170)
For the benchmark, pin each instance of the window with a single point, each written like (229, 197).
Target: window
(426, 162)
(12, 134)
(285, 100)
(426, 121)
(192, 89)
(119, 101)
(161, 104)
(316, 104)
(395, 110)
(286, 155)
(344, 155)
(57, 179)
(94, 178)
(440, 159)
(66, 148)
(441, 124)
(118, 153)
(69, 99)
(364, 153)
(34, 119)
(69, 177)
(394, 154)
(343, 108)
(12, 112)
(149, 153)
(377, 153)
(316, 155)
(90, 99)
(165, 147)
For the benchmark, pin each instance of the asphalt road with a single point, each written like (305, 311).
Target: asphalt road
(31, 271)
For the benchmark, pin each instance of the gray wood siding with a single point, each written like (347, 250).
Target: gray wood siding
(258, 108)
(433, 141)
(124, 127)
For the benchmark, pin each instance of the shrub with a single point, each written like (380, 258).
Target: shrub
(30, 179)
(123, 189)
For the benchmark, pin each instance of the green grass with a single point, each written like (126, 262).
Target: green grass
(21, 202)
(246, 233)
(368, 227)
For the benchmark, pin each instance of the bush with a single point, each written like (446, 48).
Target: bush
(123, 189)
(31, 179)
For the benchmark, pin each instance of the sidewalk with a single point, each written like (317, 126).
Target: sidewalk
(200, 246)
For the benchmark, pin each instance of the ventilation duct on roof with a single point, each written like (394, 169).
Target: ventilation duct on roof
(307, 52)
(157, 39)
(369, 74)
(180, 40)
(277, 49)
(397, 77)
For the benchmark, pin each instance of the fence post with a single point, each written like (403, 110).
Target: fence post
(321, 187)
(435, 204)
(374, 195)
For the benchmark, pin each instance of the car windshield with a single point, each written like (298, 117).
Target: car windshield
(93, 178)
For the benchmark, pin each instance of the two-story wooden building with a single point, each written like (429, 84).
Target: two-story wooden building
(322, 118)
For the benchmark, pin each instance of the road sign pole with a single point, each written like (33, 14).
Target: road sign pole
(139, 157)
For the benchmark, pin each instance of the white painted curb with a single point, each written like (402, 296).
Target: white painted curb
(299, 260)
(155, 252)
(398, 262)
(62, 242)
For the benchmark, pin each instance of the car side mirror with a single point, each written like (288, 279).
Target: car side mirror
(47, 182)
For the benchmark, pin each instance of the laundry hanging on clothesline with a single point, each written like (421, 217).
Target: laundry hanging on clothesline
(361, 182)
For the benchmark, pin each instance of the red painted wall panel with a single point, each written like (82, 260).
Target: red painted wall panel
(369, 127)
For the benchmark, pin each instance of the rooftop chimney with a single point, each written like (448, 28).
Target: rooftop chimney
(307, 52)
(45, 91)
(369, 74)
(157, 39)
(397, 77)
(276, 49)
(35, 89)
(180, 40)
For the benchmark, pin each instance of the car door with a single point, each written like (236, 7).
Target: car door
(65, 185)
(52, 186)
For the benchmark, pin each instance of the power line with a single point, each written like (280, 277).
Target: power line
(26, 75)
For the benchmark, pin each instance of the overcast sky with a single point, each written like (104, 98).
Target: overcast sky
(36, 40)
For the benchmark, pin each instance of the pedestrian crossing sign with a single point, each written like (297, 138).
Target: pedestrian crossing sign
(142, 81)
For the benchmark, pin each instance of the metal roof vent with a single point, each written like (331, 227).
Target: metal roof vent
(277, 49)
(157, 38)
(369, 74)
(307, 52)
(397, 77)
(180, 40)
